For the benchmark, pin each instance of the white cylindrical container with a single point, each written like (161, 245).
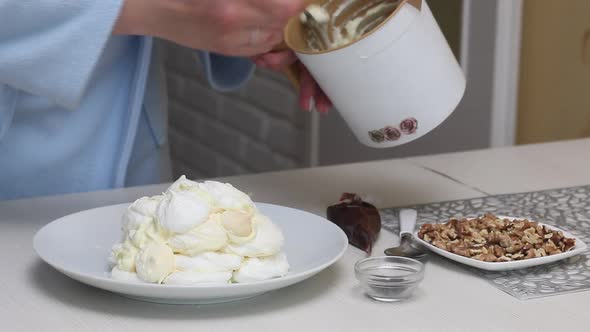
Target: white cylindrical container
(396, 83)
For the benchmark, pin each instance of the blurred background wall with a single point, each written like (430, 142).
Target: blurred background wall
(554, 99)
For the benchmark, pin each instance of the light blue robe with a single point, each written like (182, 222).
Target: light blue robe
(80, 109)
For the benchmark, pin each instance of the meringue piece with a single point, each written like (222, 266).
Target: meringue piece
(208, 262)
(210, 236)
(226, 197)
(185, 185)
(267, 241)
(125, 276)
(142, 211)
(154, 262)
(139, 213)
(192, 278)
(238, 225)
(182, 184)
(180, 211)
(258, 269)
(123, 256)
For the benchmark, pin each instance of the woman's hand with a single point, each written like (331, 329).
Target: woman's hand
(229, 27)
(310, 93)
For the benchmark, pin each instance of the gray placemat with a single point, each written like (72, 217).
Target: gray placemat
(567, 208)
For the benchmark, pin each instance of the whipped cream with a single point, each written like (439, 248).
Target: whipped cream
(337, 30)
(123, 256)
(258, 269)
(194, 278)
(197, 233)
(138, 222)
(141, 212)
(267, 241)
(210, 236)
(209, 262)
(319, 13)
(226, 197)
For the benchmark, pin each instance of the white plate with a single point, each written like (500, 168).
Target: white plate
(505, 266)
(78, 245)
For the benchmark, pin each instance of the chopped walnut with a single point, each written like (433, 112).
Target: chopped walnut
(540, 252)
(498, 251)
(531, 236)
(492, 239)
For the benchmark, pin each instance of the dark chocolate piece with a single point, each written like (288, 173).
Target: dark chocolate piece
(358, 219)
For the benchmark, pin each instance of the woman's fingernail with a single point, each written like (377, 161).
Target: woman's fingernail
(311, 105)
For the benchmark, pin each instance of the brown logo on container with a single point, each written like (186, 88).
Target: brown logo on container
(391, 133)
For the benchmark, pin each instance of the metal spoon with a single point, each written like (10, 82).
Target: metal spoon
(408, 246)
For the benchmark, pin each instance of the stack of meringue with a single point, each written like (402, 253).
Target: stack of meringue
(198, 233)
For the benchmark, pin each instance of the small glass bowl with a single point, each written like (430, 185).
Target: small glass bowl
(389, 278)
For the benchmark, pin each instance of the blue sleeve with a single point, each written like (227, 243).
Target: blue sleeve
(50, 47)
(8, 98)
(226, 73)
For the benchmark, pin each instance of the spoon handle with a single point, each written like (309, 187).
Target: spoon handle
(407, 221)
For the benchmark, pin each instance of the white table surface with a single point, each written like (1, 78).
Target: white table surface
(34, 297)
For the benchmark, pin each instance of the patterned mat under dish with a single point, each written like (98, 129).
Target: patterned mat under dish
(567, 208)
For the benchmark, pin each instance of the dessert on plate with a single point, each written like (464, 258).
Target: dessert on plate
(197, 233)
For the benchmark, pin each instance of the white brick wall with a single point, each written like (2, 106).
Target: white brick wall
(258, 128)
